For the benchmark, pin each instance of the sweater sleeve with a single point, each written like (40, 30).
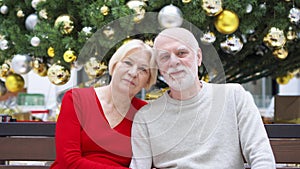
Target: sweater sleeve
(68, 139)
(141, 147)
(254, 141)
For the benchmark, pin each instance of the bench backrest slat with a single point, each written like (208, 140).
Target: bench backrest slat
(27, 148)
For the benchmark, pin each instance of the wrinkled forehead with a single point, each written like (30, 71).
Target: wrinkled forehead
(136, 52)
(167, 45)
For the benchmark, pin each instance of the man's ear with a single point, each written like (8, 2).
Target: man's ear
(199, 56)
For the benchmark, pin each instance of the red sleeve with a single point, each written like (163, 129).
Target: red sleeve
(68, 140)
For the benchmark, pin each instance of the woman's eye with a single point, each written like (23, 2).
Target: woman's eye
(127, 63)
(165, 57)
(143, 69)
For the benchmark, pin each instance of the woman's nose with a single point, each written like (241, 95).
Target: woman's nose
(133, 71)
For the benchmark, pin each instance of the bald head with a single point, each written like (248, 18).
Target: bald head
(182, 35)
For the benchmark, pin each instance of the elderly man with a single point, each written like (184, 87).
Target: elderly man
(197, 125)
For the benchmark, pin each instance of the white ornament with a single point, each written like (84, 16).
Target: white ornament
(232, 45)
(170, 16)
(294, 15)
(87, 30)
(35, 41)
(21, 64)
(3, 44)
(20, 14)
(31, 21)
(43, 14)
(208, 37)
(4, 9)
(249, 8)
(34, 3)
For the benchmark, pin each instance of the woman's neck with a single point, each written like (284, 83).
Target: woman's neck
(120, 101)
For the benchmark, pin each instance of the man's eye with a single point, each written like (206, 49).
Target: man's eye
(181, 53)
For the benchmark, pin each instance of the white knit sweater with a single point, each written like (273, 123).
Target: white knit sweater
(213, 130)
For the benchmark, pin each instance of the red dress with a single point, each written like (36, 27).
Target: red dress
(84, 138)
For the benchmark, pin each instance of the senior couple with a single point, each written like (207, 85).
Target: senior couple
(194, 125)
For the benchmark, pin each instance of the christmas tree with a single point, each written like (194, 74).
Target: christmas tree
(253, 38)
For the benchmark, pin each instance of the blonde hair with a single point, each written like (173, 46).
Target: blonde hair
(122, 52)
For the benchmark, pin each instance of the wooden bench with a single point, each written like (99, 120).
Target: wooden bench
(26, 142)
(35, 142)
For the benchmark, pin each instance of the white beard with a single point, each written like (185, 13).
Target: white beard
(181, 82)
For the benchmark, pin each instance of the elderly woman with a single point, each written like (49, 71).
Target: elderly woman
(93, 129)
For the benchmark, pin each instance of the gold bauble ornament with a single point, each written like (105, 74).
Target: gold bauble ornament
(20, 13)
(50, 52)
(40, 68)
(126, 41)
(139, 8)
(291, 34)
(212, 7)
(109, 32)
(65, 24)
(149, 42)
(227, 22)
(205, 78)
(69, 56)
(58, 74)
(282, 80)
(104, 10)
(5, 70)
(280, 53)
(186, 1)
(14, 83)
(275, 38)
(94, 68)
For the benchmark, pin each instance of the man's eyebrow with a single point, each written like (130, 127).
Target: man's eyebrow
(182, 48)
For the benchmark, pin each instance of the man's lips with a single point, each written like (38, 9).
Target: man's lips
(176, 73)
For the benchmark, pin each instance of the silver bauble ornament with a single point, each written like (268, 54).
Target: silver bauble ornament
(21, 64)
(275, 38)
(208, 37)
(249, 8)
(139, 8)
(35, 41)
(4, 9)
(3, 89)
(212, 7)
(294, 15)
(34, 3)
(232, 45)
(3, 44)
(170, 16)
(31, 21)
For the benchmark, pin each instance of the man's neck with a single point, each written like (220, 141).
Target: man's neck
(186, 93)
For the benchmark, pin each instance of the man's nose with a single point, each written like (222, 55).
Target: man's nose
(174, 60)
